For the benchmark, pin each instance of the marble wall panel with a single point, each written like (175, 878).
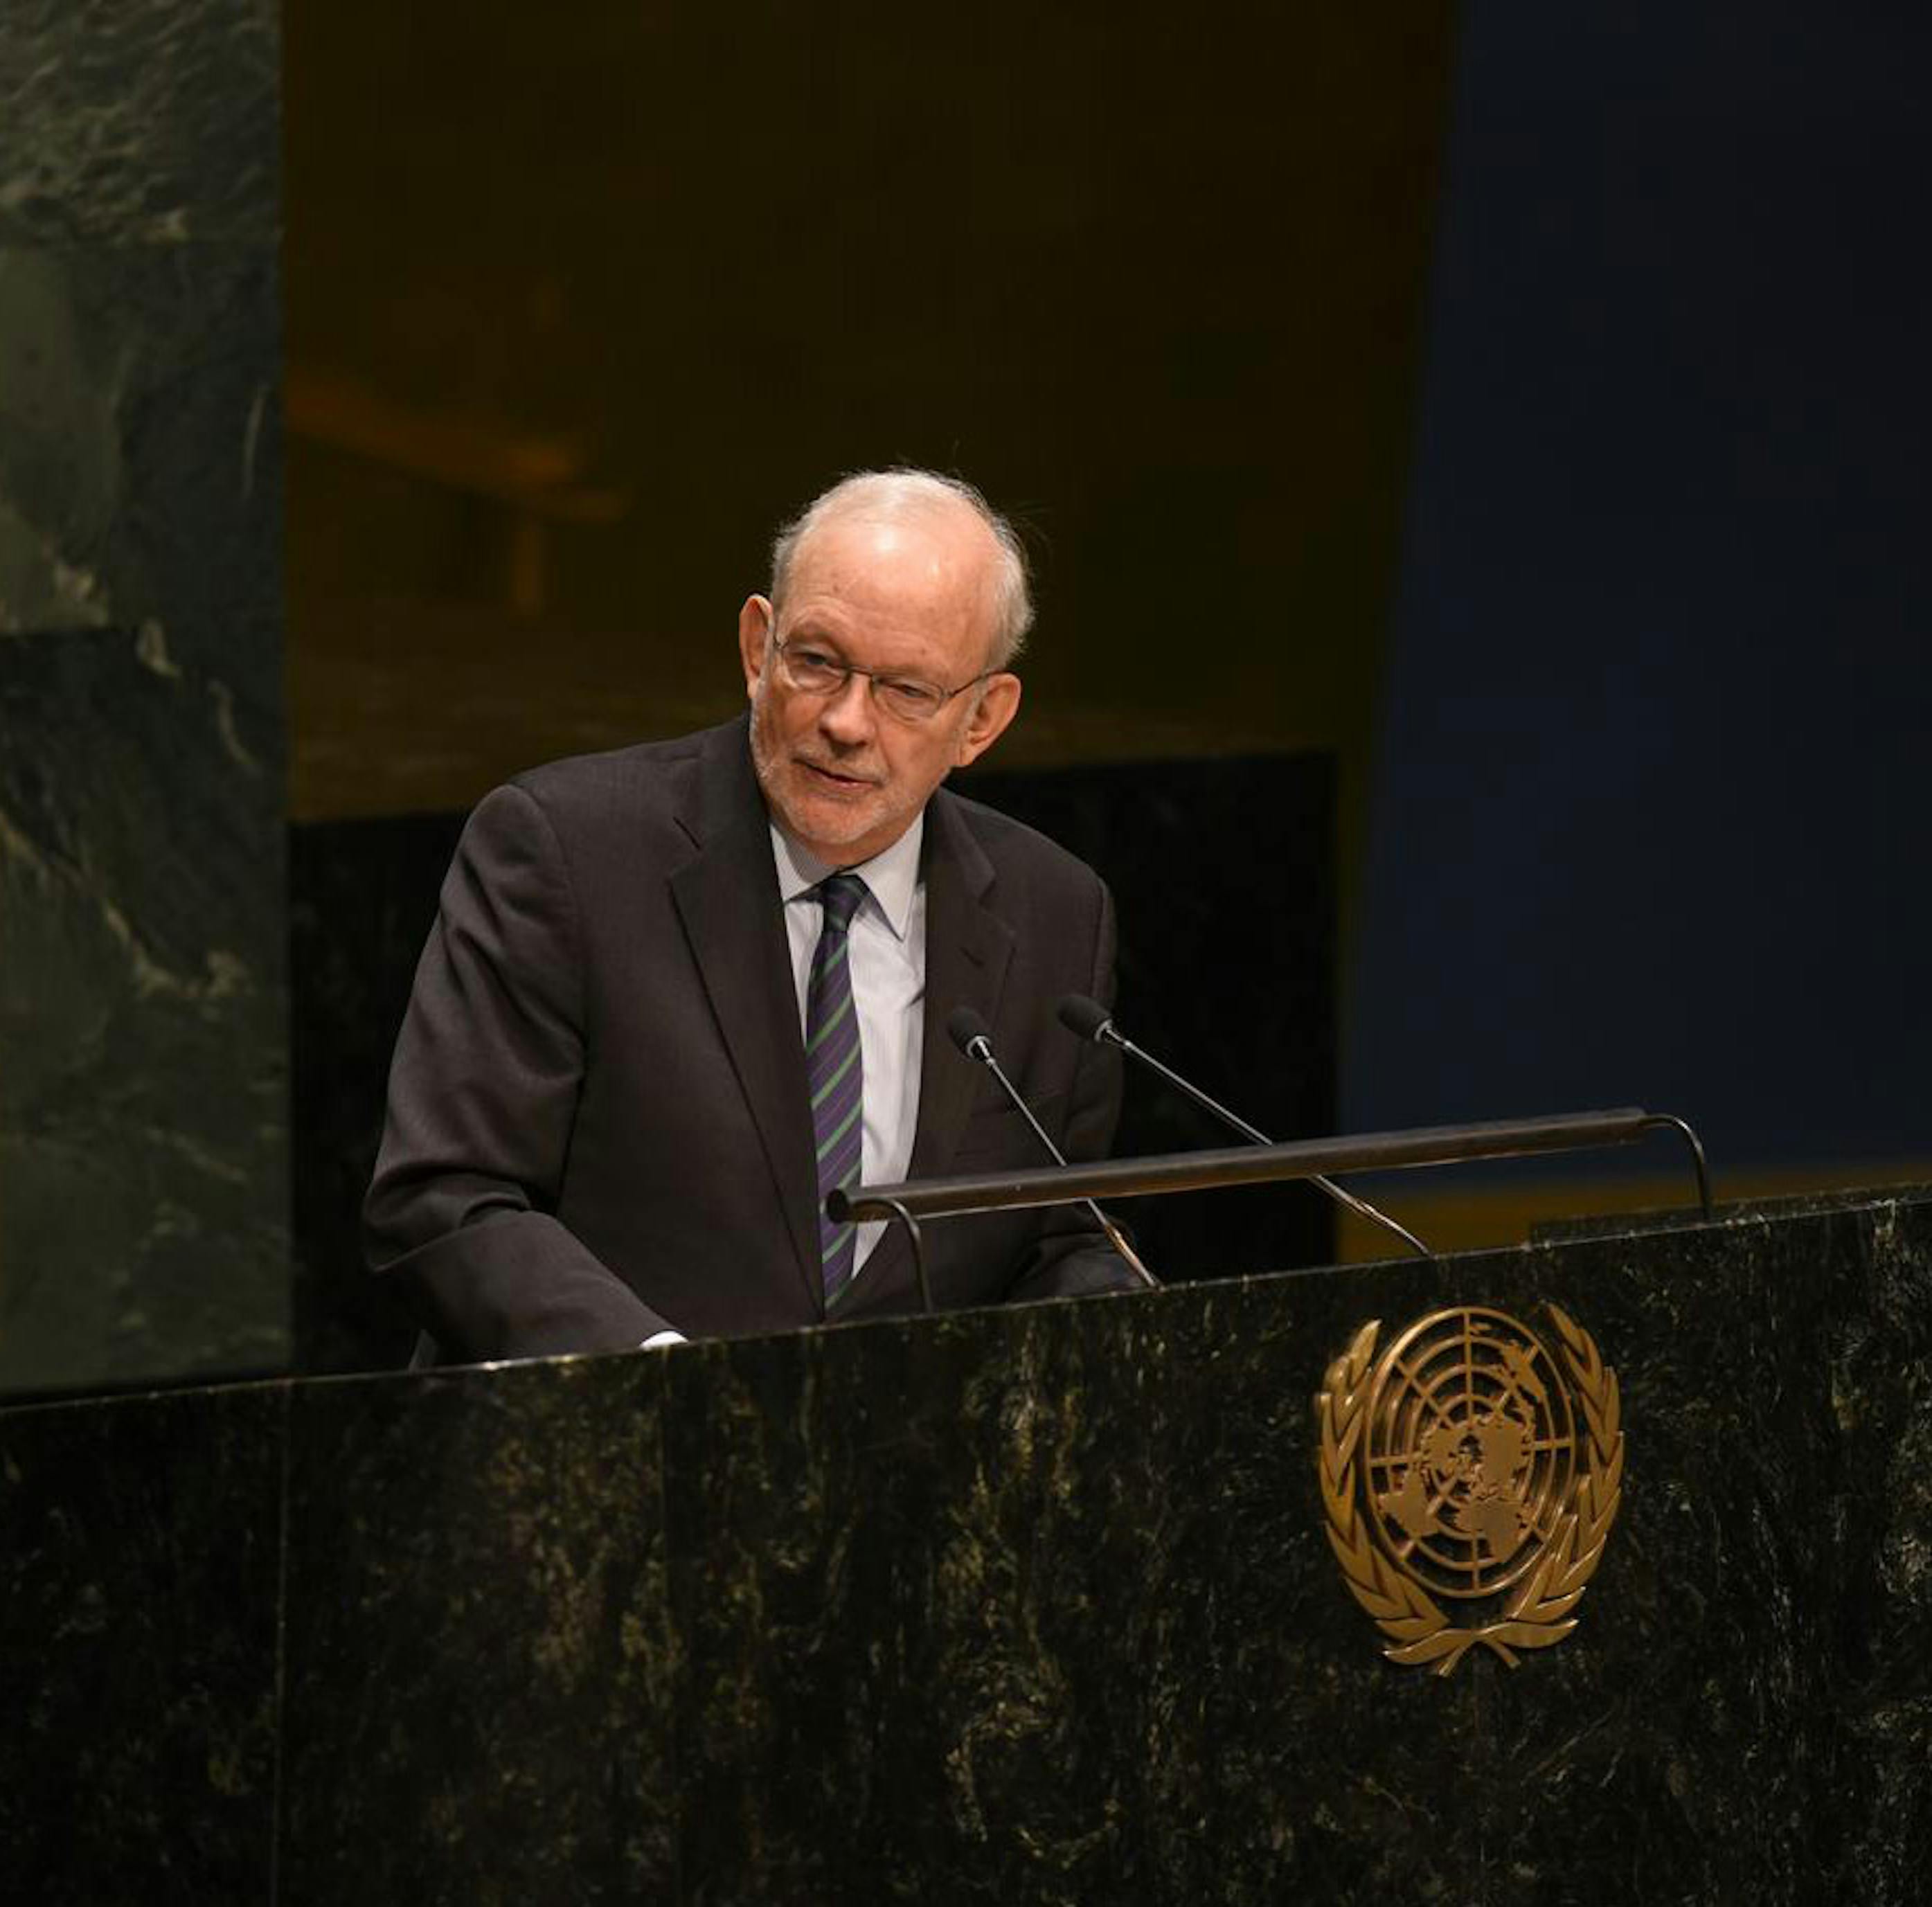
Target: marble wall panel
(142, 1093)
(1675, 1747)
(1029, 1606)
(143, 1178)
(139, 121)
(504, 1524)
(1105, 1655)
(140, 454)
(1875, 1340)
(138, 1644)
(1222, 1729)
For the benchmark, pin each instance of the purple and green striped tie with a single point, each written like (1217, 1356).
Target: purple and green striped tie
(833, 1070)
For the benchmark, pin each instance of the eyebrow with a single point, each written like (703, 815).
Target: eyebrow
(810, 632)
(818, 638)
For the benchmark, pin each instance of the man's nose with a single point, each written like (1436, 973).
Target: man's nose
(848, 716)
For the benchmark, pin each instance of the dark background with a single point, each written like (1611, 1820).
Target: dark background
(581, 301)
(1650, 793)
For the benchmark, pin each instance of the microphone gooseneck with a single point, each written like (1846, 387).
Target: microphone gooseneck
(1089, 1019)
(970, 1033)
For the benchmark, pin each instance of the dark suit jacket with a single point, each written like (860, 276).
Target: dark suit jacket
(599, 1123)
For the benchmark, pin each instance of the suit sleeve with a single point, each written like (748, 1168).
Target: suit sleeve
(483, 1094)
(1073, 1258)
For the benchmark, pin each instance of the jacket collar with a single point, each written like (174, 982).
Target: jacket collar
(727, 899)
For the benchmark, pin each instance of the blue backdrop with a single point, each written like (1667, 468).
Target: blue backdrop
(1649, 810)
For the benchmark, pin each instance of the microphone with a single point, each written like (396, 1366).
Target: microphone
(970, 1033)
(1089, 1019)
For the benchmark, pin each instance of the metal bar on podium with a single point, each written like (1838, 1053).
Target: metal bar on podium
(1198, 1171)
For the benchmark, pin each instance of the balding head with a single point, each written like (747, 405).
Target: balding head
(917, 496)
(875, 667)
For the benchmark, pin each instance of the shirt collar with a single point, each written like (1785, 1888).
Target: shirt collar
(891, 876)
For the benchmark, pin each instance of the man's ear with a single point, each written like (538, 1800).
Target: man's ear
(755, 626)
(999, 702)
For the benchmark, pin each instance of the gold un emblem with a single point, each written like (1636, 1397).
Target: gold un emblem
(1474, 1463)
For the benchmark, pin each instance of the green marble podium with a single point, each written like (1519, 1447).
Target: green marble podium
(1029, 1605)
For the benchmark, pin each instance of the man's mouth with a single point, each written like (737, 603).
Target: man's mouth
(833, 778)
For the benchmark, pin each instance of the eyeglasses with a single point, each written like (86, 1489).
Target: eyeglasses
(813, 671)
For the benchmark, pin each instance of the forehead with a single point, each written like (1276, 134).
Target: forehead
(916, 586)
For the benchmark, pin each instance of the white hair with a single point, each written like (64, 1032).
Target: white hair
(904, 489)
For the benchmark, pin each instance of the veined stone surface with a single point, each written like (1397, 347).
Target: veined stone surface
(139, 121)
(1029, 1605)
(143, 1228)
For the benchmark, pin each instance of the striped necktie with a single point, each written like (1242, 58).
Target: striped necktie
(834, 1072)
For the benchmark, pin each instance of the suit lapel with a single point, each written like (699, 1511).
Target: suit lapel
(968, 947)
(727, 897)
(968, 950)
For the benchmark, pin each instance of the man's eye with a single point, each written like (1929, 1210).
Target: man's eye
(815, 660)
(910, 694)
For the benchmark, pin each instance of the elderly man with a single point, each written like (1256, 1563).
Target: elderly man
(675, 992)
